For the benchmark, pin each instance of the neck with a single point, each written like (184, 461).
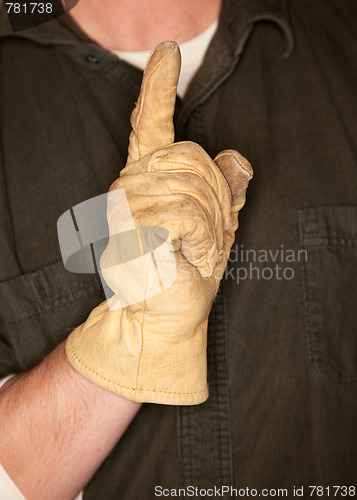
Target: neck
(140, 25)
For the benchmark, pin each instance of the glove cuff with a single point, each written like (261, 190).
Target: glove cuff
(121, 357)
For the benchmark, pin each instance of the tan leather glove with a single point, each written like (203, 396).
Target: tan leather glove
(155, 350)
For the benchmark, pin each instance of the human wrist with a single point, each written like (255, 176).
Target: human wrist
(75, 383)
(65, 421)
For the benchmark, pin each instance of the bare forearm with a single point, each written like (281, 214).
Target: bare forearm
(56, 428)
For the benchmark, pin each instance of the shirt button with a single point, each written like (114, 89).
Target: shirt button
(92, 59)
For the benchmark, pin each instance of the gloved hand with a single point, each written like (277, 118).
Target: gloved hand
(155, 350)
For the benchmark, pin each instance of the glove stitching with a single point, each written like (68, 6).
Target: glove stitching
(142, 345)
(236, 157)
(197, 172)
(123, 386)
(195, 197)
(192, 194)
(199, 219)
(189, 170)
(143, 96)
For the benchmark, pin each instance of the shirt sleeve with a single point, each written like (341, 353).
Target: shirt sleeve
(8, 488)
(5, 379)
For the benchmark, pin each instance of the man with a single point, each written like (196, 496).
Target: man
(281, 348)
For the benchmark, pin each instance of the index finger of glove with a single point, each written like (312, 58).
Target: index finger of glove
(152, 117)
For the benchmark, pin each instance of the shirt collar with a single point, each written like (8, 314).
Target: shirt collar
(237, 17)
(236, 23)
(272, 10)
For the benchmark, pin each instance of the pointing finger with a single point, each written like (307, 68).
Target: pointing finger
(152, 118)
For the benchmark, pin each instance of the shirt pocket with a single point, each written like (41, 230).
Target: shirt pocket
(329, 236)
(39, 309)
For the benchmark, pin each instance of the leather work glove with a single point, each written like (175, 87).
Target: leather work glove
(154, 350)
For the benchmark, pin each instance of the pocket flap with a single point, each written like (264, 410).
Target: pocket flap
(39, 310)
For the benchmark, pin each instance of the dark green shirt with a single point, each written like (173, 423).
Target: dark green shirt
(280, 87)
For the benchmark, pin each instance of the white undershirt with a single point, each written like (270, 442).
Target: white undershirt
(192, 54)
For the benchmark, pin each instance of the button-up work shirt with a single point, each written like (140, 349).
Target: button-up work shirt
(278, 83)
